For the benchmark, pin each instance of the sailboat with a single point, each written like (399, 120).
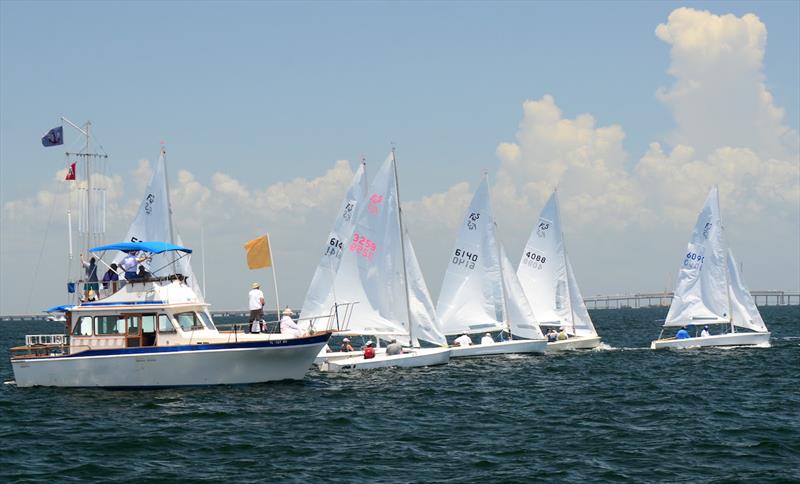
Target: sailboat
(710, 291)
(379, 272)
(549, 283)
(480, 292)
(154, 331)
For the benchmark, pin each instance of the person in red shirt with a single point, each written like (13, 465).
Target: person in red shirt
(369, 351)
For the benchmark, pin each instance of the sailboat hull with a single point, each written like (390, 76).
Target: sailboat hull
(502, 348)
(414, 358)
(212, 364)
(730, 339)
(575, 343)
(323, 358)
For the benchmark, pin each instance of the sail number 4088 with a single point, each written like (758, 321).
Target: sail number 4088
(463, 258)
(534, 260)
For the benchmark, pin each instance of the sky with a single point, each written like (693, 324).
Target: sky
(633, 109)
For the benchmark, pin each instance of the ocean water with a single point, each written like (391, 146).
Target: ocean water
(623, 413)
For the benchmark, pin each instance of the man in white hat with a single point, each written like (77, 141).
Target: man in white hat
(289, 329)
(256, 307)
(487, 339)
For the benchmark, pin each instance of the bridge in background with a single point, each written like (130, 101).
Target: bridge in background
(664, 299)
(619, 301)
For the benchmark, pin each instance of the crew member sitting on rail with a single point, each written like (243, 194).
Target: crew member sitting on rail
(562, 334)
(394, 348)
(487, 339)
(289, 329)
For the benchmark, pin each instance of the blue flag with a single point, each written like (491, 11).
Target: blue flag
(54, 137)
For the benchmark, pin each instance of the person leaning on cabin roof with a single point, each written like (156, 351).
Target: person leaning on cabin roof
(463, 340)
(394, 348)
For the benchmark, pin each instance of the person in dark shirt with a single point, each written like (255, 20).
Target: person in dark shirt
(346, 346)
(110, 276)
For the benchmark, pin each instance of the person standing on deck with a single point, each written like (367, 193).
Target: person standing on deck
(91, 274)
(256, 305)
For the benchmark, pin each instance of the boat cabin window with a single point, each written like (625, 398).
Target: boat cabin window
(189, 321)
(83, 327)
(105, 325)
(165, 324)
(207, 320)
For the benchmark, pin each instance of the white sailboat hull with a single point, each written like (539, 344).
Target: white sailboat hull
(323, 358)
(165, 367)
(574, 343)
(502, 348)
(730, 339)
(413, 358)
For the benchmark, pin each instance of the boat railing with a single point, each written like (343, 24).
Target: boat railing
(89, 291)
(338, 319)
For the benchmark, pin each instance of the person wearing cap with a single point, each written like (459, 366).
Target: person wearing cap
(562, 334)
(394, 348)
(289, 327)
(346, 346)
(487, 339)
(705, 332)
(369, 351)
(256, 305)
(463, 340)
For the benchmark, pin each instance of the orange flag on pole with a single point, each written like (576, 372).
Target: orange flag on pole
(258, 253)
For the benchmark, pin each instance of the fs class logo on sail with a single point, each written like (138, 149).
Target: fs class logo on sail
(541, 229)
(707, 229)
(464, 258)
(472, 220)
(534, 260)
(148, 203)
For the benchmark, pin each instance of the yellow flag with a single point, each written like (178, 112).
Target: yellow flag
(258, 253)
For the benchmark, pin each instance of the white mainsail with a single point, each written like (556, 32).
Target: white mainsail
(546, 275)
(743, 308)
(425, 323)
(371, 272)
(701, 291)
(471, 297)
(153, 223)
(321, 293)
(520, 318)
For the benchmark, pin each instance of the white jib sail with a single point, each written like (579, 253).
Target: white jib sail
(371, 269)
(542, 270)
(471, 298)
(520, 317)
(581, 322)
(320, 295)
(701, 292)
(153, 224)
(425, 323)
(743, 309)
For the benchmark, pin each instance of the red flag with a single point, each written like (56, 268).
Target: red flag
(71, 172)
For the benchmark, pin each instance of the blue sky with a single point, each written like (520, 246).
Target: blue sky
(268, 92)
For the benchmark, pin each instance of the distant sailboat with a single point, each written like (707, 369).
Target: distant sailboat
(480, 292)
(379, 272)
(711, 291)
(550, 285)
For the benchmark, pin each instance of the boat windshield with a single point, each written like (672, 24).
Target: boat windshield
(207, 320)
(189, 321)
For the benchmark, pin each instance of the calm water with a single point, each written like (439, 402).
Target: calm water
(623, 413)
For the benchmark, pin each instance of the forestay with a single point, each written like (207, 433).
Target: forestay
(701, 291)
(321, 293)
(743, 308)
(371, 268)
(471, 296)
(520, 317)
(154, 222)
(425, 323)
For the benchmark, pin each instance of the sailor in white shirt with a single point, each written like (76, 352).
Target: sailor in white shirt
(705, 332)
(289, 328)
(463, 340)
(256, 305)
(487, 339)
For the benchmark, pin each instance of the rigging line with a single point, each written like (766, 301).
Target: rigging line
(41, 252)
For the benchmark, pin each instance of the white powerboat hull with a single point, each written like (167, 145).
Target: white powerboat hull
(168, 366)
(410, 358)
(501, 348)
(730, 339)
(574, 343)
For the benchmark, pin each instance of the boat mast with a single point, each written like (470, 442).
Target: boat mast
(500, 262)
(566, 267)
(169, 210)
(402, 248)
(727, 276)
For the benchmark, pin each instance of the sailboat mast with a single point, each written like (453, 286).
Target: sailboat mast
(500, 261)
(727, 275)
(169, 208)
(403, 249)
(566, 268)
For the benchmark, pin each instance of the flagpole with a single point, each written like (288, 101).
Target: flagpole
(274, 277)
